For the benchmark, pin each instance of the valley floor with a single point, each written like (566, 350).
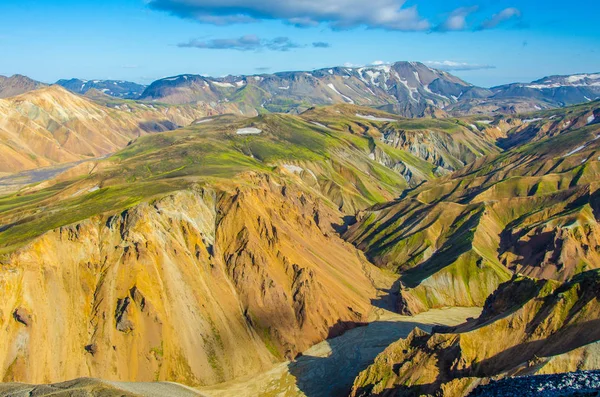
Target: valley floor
(329, 368)
(88, 387)
(11, 183)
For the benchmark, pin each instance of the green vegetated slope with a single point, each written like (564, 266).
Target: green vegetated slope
(449, 144)
(342, 156)
(531, 209)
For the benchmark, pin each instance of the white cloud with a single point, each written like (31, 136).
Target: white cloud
(338, 14)
(452, 66)
(457, 20)
(245, 43)
(501, 17)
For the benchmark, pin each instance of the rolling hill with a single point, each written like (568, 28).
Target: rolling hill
(52, 126)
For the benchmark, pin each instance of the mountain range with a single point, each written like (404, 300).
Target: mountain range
(407, 88)
(410, 89)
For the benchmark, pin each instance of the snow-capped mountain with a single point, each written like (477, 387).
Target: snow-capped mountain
(115, 88)
(407, 88)
(558, 90)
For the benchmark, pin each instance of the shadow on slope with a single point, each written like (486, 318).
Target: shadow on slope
(329, 369)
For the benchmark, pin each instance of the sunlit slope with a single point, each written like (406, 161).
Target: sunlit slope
(51, 126)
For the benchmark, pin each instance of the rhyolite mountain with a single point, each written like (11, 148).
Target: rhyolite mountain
(17, 84)
(115, 88)
(199, 251)
(51, 126)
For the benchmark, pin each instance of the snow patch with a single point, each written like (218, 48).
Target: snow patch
(373, 118)
(412, 90)
(293, 168)
(417, 76)
(248, 131)
(319, 124)
(385, 68)
(373, 76)
(591, 119)
(332, 87)
(578, 77)
(225, 85)
(578, 149)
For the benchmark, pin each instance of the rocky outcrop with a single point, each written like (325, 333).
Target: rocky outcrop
(573, 384)
(22, 316)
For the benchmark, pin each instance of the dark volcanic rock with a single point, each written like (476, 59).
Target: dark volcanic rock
(23, 316)
(580, 384)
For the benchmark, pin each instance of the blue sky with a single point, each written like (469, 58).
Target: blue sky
(492, 42)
